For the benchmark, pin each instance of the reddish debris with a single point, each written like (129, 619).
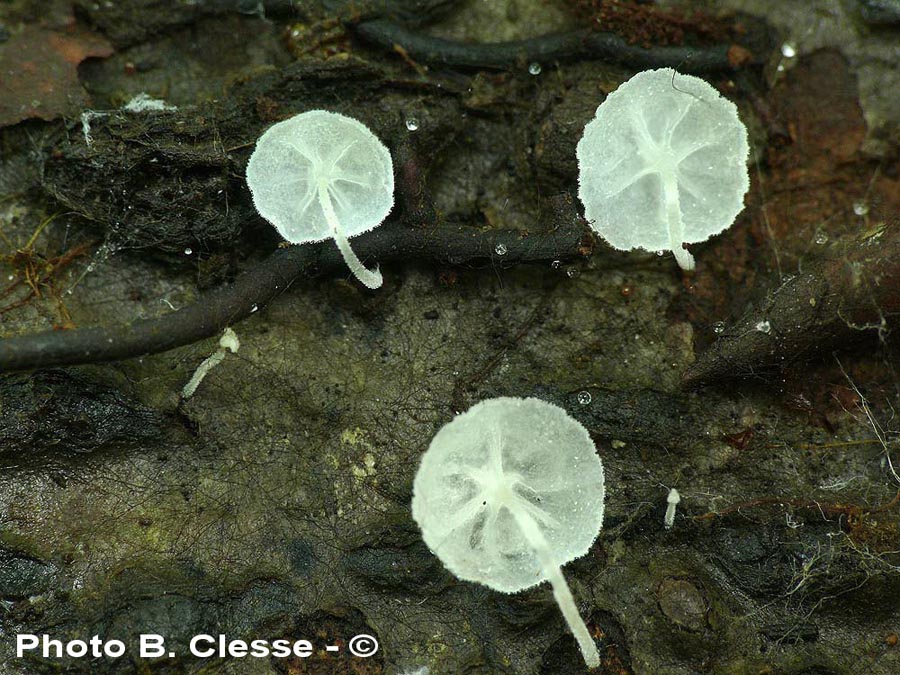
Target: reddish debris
(39, 72)
(739, 440)
(649, 26)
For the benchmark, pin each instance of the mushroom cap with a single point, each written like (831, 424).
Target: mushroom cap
(555, 475)
(294, 157)
(656, 119)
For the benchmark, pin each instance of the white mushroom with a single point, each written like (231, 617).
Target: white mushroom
(507, 493)
(662, 164)
(321, 175)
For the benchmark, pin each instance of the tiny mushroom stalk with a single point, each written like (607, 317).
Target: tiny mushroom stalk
(322, 175)
(561, 591)
(369, 278)
(675, 227)
(507, 493)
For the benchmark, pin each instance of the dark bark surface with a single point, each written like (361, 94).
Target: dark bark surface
(274, 503)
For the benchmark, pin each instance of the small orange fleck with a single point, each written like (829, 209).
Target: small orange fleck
(739, 56)
(586, 246)
(739, 440)
(792, 131)
(448, 277)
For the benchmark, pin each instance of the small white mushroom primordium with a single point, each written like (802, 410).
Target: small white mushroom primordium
(509, 492)
(672, 501)
(229, 342)
(662, 164)
(322, 175)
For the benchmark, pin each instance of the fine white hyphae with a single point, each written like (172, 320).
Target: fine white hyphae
(322, 175)
(507, 493)
(145, 103)
(663, 163)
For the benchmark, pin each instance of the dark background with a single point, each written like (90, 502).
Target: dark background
(275, 502)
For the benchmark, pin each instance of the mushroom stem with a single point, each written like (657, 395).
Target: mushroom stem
(561, 592)
(369, 278)
(676, 228)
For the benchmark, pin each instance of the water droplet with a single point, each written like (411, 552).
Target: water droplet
(860, 208)
(254, 308)
(11, 277)
(412, 124)
(556, 264)
(500, 249)
(719, 327)
(764, 327)
(788, 50)
(534, 68)
(584, 397)
(188, 251)
(821, 239)
(572, 272)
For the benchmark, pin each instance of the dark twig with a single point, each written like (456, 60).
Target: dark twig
(552, 47)
(818, 310)
(258, 285)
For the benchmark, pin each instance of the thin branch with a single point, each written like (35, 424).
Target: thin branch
(829, 305)
(568, 46)
(225, 306)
